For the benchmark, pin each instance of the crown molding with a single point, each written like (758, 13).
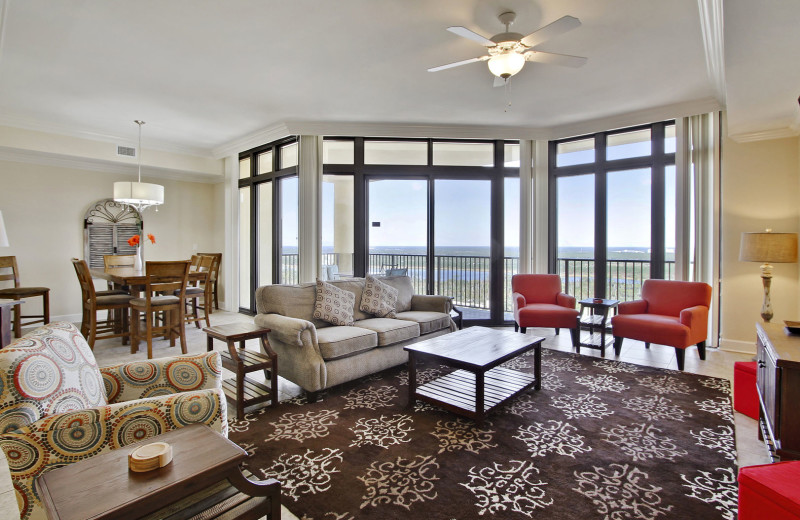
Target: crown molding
(54, 128)
(764, 135)
(263, 136)
(713, 33)
(350, 128)
(638, 117)
(99, 165)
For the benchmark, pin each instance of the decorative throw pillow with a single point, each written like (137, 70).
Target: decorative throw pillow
(48, 371)
(378, 298)
(334, 305)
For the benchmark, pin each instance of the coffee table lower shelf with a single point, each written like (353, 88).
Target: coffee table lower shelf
(456, 391)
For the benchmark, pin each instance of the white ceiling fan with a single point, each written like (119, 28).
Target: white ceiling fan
(508, 51)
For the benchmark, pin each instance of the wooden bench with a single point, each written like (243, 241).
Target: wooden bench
(242, 390)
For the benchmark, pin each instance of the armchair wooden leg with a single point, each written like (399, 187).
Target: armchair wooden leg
(516, 327)
(523, 329)
(680, 354)
(617, 345)
(701, 349)
(558, 331)
(646, 345)
(311, 397)
(574, 332)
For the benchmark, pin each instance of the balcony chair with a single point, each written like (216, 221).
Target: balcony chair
(57, 407)
(214, 278)
(671, 312)
(539, 302)
(91, 302)
(165, 291)
(18, 293)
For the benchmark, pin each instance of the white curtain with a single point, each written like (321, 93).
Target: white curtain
(309, 173)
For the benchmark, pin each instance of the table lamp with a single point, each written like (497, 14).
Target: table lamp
(768, 248)
(3, 234)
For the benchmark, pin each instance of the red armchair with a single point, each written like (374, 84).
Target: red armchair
(671, 313)
(539, 302)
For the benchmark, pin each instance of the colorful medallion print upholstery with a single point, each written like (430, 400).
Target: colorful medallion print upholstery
(334, 305)
(378, 298)
(146, 399)
(51, 370)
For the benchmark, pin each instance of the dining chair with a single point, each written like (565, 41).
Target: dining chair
(199, 289)
(92, 302)
(214, 277)
(164, 291)
(19, 292)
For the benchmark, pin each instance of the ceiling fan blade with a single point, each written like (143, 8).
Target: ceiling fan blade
(471, 35)
(560, 26)
(556, 59)
(499, 82)
(458, 63)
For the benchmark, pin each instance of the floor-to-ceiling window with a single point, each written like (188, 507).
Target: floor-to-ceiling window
(267, 218)
(445, 212)
(613, 210)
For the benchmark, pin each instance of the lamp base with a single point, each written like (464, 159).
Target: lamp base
(766, 280)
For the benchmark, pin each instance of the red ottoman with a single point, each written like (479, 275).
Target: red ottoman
(745, 395)
(769, 491)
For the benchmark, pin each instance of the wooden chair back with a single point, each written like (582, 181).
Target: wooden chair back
(85, 279)
(118, 261)
(9, 262)
(215, 266)
(166, 277)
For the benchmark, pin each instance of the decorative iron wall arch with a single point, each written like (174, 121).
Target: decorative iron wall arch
(107, 226)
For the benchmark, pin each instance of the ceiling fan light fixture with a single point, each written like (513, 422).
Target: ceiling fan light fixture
(507, 64)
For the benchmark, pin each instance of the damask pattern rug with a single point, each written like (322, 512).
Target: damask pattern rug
(601, 440)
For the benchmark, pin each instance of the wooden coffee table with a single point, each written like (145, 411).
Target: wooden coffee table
(102, 487)
(479, 385)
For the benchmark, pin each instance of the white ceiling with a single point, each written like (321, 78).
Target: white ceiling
(204, 73)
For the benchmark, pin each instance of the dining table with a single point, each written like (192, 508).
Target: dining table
(136, 279)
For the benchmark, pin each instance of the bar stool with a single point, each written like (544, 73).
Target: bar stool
(18, 292)
(92, 302)
(199, 290)
(162, 279)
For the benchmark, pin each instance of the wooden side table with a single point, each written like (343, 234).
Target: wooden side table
(102, 487)
(242, 390)
(595, 322)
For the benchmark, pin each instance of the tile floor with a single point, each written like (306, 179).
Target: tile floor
(717, 364)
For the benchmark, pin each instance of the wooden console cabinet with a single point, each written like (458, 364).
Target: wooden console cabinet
(778, 382)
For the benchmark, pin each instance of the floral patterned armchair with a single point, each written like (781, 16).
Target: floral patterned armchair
(57, 407)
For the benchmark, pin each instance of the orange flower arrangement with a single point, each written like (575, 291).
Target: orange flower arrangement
(134, 240)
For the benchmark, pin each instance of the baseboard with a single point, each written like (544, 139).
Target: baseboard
(732, 345)
(72, 318)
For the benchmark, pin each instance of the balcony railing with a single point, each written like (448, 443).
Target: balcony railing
(624, 278)
(466, 278)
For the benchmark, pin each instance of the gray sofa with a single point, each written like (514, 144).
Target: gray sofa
(317, 355)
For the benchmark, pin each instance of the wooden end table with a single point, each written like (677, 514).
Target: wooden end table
(102, 487)
(242, 390)
(596, 320)
(480, 385)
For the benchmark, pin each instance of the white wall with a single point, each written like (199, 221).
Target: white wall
(760, 189)
(43, 209)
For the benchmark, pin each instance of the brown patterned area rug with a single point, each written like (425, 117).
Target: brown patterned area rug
(602, 439)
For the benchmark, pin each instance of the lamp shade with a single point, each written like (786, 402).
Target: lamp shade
(768, 247)
(139, 193)
(506, 64)
(3, 234)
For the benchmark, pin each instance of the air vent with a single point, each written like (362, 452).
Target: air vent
(127, 151)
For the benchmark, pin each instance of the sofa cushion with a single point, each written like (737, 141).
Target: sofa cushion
(405, 290)
(337, 342)
(390, 331)
(48, 371)
(334, 305)
(378, 298)
(428, 321)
